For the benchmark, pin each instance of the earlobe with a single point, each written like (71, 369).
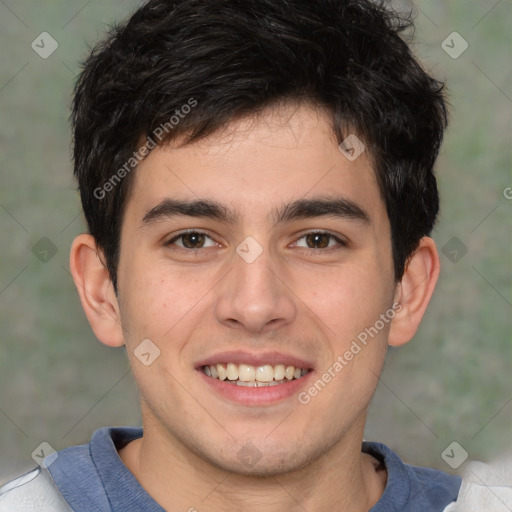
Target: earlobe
(414, 291)
(96, 291)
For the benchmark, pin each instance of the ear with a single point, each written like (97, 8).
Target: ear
(414, 291)
(96, 290)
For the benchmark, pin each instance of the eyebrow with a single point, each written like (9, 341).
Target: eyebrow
(321, 207)
(296, 210)
(169, 208)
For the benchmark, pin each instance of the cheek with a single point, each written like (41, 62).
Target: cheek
(159, 299)
(347, 300)
(350, 305)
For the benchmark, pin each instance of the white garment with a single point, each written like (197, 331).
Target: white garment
(32, 492)
(485, 488)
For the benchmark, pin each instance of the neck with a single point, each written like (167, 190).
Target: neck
(177, 478)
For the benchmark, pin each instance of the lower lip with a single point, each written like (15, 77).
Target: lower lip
(258, 395)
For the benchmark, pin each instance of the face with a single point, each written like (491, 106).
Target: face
(263, 248)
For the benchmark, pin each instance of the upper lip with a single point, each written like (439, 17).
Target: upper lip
(255, 359)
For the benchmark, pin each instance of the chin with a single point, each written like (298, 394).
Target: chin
(265, 461)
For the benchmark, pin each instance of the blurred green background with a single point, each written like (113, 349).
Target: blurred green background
(451, 383)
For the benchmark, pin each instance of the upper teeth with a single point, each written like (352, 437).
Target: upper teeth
(249, 373)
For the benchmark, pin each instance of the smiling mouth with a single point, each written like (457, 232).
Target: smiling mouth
(254, 376)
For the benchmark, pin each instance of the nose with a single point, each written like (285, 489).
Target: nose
(255, 296)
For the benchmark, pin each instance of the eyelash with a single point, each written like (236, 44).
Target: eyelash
(341, 243)
(184, 233)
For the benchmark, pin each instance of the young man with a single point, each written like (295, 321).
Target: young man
(257, 178)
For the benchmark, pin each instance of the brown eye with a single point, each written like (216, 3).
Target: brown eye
(193, 240)
(318, 240)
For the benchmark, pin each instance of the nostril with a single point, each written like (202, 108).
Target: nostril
(232, 322)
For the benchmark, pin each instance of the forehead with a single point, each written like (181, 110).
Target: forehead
(257, 164)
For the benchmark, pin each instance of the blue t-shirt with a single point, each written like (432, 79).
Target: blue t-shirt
(93, 478)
